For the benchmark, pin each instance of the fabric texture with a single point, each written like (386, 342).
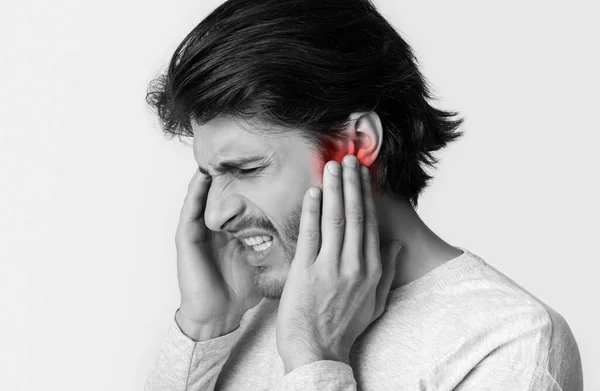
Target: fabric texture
(462, 326)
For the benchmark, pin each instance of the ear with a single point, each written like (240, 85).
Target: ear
(364, 137)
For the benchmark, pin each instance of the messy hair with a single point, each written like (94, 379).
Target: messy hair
(304, 66)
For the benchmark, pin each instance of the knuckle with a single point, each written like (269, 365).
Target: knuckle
(337, 220)
(355, 213)
(353, 268)
(313, 235)
(190, 187)
(335, 185)
(185, 232)
(354, 273)
(329, 273)
(352, 179)
(372, 223)
(377, 273)
(313, 209)
(335, 257)
(179, 239)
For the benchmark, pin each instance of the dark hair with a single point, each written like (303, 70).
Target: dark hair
(306, 65)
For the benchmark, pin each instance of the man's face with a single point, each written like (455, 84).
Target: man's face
(267, 200)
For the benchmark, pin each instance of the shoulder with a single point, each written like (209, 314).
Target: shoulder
(492, 302)
(506, 324)
(472, 306)
(465, 318)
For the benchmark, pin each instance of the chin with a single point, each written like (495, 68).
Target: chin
(267, 283)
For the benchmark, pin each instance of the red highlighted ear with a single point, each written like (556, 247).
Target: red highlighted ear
(337, 154)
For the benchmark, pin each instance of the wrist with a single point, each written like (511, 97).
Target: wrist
(203, 331)
(300, 359)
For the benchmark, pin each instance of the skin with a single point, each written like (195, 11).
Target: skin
(334, 291)
(271, 199)
(326, 267)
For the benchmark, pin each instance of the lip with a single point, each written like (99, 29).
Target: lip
(257, 258)
(251, 234)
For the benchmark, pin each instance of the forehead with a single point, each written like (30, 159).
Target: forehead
(223, 138)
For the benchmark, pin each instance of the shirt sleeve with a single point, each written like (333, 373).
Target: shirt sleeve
(323, 375)
(508, 376)
(184, 364)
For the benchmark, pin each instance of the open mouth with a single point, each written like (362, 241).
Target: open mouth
(258, 243)
(257, 250)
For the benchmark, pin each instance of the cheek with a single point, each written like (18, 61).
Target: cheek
(275, 195)
(318, 166)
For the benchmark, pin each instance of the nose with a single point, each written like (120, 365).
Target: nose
(221, 208)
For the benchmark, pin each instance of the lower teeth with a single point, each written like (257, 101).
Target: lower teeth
(262, 246)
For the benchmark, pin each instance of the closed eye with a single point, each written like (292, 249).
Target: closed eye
(249, 170)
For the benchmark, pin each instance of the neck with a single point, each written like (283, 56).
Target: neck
(422, 250)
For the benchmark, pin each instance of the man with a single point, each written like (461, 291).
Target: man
(348, 289)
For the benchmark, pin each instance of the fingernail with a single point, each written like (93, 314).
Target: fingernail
(314, 193)
(334, 167)
(350, 161)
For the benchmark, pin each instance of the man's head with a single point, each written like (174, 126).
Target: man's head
(258, 182)
(298, 82)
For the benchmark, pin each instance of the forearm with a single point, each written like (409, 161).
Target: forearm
(200, 332)
(188, 364)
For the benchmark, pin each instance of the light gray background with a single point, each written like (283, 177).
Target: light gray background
(90, 191)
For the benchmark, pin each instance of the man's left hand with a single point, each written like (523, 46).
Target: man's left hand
(333, 293)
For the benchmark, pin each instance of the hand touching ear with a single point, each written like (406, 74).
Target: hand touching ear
(334, 293)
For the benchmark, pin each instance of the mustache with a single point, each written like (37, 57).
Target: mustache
(290, 227)
(248, 223)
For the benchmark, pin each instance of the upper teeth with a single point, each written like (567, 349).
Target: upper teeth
(253, 241)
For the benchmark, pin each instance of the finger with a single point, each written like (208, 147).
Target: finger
(352, 250)
(332, 219)
(309, 234)
(371, 249)
(389, 254)
(195, 199)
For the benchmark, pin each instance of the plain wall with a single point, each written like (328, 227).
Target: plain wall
(90, 190)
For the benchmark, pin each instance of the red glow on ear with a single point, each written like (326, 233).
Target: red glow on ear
(337, 155)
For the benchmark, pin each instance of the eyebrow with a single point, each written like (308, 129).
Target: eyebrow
(233, 164)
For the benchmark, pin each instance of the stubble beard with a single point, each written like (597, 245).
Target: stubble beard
(269, 286)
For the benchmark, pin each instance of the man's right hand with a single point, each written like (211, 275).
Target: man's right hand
(215, 281)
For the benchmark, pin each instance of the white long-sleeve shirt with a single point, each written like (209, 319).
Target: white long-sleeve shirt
(463, 326)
